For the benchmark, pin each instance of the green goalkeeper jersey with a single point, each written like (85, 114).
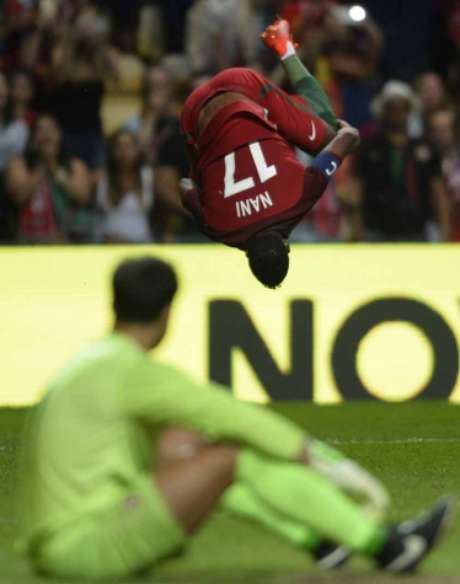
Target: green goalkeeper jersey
(94, 433)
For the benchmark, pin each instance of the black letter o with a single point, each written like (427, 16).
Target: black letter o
(430, 322)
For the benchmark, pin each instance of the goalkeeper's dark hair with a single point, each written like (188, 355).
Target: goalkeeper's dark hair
(142, 288)
(268, 257)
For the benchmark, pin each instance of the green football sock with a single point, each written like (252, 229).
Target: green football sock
(241, 500)
(303, 496)
(306, 86)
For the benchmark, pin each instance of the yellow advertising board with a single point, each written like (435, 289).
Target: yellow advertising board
(350, 322)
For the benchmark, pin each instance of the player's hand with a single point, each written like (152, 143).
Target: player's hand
(351, 133)
(348, 476)
(186, 184)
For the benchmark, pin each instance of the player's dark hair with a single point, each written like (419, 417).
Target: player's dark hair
(268, 258)
(142, 288)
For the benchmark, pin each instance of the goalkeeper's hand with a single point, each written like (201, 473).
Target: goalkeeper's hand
(348, 476)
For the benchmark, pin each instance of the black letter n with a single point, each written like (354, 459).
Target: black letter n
(232, 328)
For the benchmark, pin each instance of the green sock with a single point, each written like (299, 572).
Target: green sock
(241, 500)
(306, 86)
(300, 494)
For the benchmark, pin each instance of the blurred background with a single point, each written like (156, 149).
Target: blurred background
(91, 93)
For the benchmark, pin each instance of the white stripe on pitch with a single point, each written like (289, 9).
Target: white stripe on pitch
(394, 441)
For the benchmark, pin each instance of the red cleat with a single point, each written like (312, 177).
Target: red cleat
(277, 36)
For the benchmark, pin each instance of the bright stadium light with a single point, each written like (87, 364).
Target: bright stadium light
(357, 13)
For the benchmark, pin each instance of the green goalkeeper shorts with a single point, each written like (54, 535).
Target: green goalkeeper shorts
(113, 541)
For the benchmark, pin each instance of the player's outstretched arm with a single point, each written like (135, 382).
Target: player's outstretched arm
(162, 395)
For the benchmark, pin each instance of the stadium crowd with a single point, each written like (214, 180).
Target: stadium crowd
(91, 93)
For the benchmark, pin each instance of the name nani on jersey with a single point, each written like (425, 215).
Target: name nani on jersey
(253, 205)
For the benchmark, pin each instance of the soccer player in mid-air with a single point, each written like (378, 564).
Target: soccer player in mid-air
(111, 483)
(248, 189)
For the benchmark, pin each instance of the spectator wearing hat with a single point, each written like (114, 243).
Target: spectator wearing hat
(400, 189)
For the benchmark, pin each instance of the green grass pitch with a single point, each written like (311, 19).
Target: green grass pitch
(413, 447)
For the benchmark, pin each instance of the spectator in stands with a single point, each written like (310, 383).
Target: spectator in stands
(174, 22)
(399, 179)
(158, 130)
(13, 132)
(125, 19)
(221, 34)
(51, 190)
(311, 25)
(20, 19)
(444, 131)
(412, 35)
(80, 61)
(172, 222)
(450, 63)
(348, 63)
(432, 95)
(22, 94)
(125, 192)
(152, 121)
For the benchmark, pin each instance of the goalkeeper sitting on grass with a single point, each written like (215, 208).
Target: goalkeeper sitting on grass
(111, 484)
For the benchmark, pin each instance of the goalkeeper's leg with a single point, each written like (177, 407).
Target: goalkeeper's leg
(242, 501)
(299, 494)
(293, 499)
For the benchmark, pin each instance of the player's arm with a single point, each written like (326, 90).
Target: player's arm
(190, 198)
(161, 395)
(307, 86)
(327, 162)
(188, 193)
(346, 141)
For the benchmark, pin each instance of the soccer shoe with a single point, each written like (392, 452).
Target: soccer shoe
(277, 36)
(410, 541)
(330, 556)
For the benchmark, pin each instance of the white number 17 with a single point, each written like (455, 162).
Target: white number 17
(264, 171)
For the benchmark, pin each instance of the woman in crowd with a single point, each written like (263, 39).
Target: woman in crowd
(154, 118)
(125, 193)
(158, 130)
(51, 191)
(81, 60)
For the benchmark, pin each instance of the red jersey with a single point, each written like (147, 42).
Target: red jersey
(247, 174)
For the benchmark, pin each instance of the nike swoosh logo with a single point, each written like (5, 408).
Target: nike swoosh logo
(312, 136)
(330, 171)
(414, 548)
(334, 559)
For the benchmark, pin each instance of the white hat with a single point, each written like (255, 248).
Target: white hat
(390, 90)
